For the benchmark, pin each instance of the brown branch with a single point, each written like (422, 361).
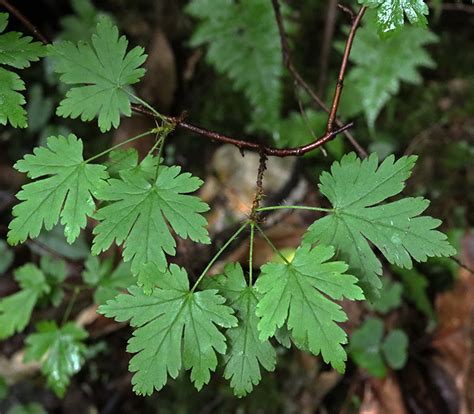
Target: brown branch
(286, 55)
(247, 145)
(215, 136)
(262, 166)
(342, 72)
(24, 21)
(466, 8)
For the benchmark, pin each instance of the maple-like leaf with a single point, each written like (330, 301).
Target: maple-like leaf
(101, 71)
(16, 51)
(354, 188)
(299, 293)
(61, 352)
(15, 309)
(174, 327)
(391, 13)
(65, 191)
(141, 210)
(246, 351)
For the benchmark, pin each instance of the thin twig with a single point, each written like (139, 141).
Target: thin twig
(247, 145)
(342, 72)
(462, 265)
(179, 121)
(24, 21)
(347, 10)
(466, 8)
(286, 55)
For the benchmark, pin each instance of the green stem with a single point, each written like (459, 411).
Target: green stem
(294, 208)
(216, 256)
(70, 305)
(151, 131)
(160, 153)
(148, 106)
(252, 233)
(271, 244)
(155, 145)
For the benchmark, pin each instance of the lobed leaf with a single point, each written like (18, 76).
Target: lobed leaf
(391, 13)
(246, 351)
(140, 211)
(65, 191)
(101, 72)
(174, 327)
(354, 187)
(17, 51)
(299, 293)
(60, 350)
(16, 309)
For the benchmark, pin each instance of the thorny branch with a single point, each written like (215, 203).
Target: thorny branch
(298, 79)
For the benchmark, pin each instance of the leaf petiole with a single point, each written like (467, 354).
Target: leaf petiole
(143, 134)
(270, 243)
(216, 256)
(252, 233)
(271, 208)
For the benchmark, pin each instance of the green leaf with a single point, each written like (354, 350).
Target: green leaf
(6, 257)
(11, 109)
(39, 108)
(140, 212)
(243, 43)
(3, 388)
(391, 13)
(60, 350)
(120, 160)
(299, 294)
(173, 327)
(390, 297)
(82, 24)
(365, 347)
(415, 289)
(55, 272)
(371, 351)
(18, 52)
(354, 188)
(395, 349)
(101, 70)
(66, 191)
(380, 67)
(16, 309)
(246, 351)
(297, 129)
(32, 408)
(108, 282)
